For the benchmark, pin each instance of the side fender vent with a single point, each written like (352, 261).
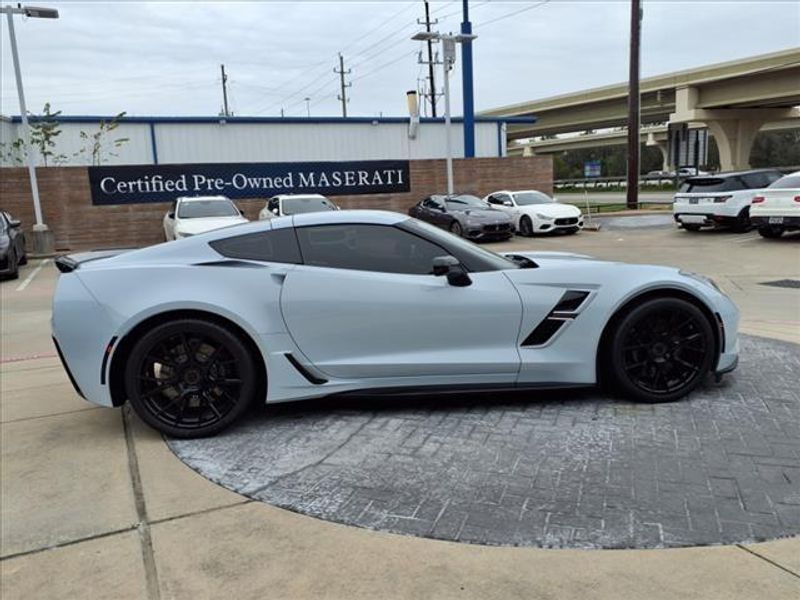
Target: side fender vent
(543, 332)
(571, 301)
(565, 310)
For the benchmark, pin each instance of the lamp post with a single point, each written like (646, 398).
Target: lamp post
(42, 236)
(449, 42)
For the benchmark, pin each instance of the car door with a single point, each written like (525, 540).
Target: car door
(365, 305)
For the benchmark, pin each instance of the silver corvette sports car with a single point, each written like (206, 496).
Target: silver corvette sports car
(370, 302)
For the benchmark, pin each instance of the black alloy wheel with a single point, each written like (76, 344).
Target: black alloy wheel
(662, 350)
(190, 378)
(455, 228)
(23, 259)
(13, 265)
(526, 227)
(770, 231)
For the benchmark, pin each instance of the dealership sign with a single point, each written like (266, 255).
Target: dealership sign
(163, 183)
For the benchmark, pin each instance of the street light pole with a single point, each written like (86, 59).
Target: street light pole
(449, 42)
(42, 237)
(449, 49)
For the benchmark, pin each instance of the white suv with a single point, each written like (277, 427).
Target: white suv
(721, 199)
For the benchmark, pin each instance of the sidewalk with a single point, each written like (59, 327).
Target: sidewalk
(94, 505)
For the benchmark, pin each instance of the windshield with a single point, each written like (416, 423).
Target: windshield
(787, 182)
(528, 198)
(196, 209)
(710, 184)
(465, 201)
(472, 256)
(295, 206)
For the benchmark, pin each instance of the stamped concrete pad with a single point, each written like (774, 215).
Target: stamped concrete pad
(567, 469)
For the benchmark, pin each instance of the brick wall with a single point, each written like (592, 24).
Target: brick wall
(78, 224)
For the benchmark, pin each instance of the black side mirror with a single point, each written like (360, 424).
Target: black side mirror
(171, 214)
(14, 223)
(449, 266)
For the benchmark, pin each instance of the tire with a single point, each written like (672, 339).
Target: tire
(661, 350)
(194, 393)
(525, 226)
(13, 263)
(691, 227)
(455, 229)
(770, 232)
(743, 224)
(23, 260)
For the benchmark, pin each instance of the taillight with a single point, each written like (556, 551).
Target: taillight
(722, 199)
(759, 199)
(797, 198)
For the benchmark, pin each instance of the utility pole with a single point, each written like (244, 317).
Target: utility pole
(225, 111)
(634, 114)
(341, 72)
(430, 61)
(307, 100)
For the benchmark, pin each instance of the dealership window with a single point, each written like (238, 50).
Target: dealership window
(279, 245)
(378, 248)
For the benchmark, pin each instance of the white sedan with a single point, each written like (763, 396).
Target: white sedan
(294, 204)
(536, 212)
(189, 216)
(777, 208)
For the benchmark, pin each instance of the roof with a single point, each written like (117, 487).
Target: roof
(220, 120)
(734, 173)
(195, 198)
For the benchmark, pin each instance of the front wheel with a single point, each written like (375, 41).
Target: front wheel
(742, 223)
(190, 378)
(525, 227)
(455, 229)
(770, 232)
(662, 350)
(13, 265)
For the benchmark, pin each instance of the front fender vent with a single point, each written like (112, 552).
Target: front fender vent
(564, 311)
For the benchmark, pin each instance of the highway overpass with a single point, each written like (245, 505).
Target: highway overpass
(733, 99)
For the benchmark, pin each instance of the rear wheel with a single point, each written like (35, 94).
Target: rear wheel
(769, 231)
(742, 223)
(190, 378)
(455, 228)
(525, 226)
(13, 266)
(23, 259)
(661, 350)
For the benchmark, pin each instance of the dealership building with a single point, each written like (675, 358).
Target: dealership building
(111, 185)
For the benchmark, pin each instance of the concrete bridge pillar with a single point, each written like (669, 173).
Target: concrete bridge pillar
(734, 129)
(663, 146)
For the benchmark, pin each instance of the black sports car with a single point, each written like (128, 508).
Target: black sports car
(464, 215)
(12, 246)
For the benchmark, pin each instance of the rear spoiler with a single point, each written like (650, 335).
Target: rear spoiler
(66, 263)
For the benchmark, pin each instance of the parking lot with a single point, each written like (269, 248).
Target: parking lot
(96, 498)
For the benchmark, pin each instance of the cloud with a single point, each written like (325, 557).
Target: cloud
(163, 58)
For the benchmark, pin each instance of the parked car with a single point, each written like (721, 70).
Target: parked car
(189, 216)
(691, 172)
(464, 215)
(12, 246)
(294, 204)
(720, 200)
(534, 212)
(777, 208)
(368, 302)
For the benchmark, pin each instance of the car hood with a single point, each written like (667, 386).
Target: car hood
(481, 215)
(203, 224)
(553, 211)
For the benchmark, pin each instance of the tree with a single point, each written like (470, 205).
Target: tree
(13, 152)
(44, 129)
(96, 143)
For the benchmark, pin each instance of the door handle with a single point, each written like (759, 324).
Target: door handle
(278, 277)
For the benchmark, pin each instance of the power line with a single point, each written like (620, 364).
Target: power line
(516, 12)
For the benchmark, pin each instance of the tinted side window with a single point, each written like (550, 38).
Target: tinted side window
(788, 182)
(273, 204)
(279, 245)
(756, 180)
(377, 248)
(495, 199)
(712, 184)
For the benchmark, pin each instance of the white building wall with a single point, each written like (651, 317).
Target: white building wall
(177, 142)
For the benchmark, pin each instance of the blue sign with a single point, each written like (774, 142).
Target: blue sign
(592, 168)
(137, 184)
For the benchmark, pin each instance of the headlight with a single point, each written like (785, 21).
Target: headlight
(701, 279)
(541, 216)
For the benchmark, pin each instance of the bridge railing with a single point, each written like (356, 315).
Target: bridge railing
(600, 183)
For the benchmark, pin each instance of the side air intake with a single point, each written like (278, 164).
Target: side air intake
(564, 311)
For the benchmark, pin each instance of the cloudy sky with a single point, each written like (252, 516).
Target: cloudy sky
(162, 58)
